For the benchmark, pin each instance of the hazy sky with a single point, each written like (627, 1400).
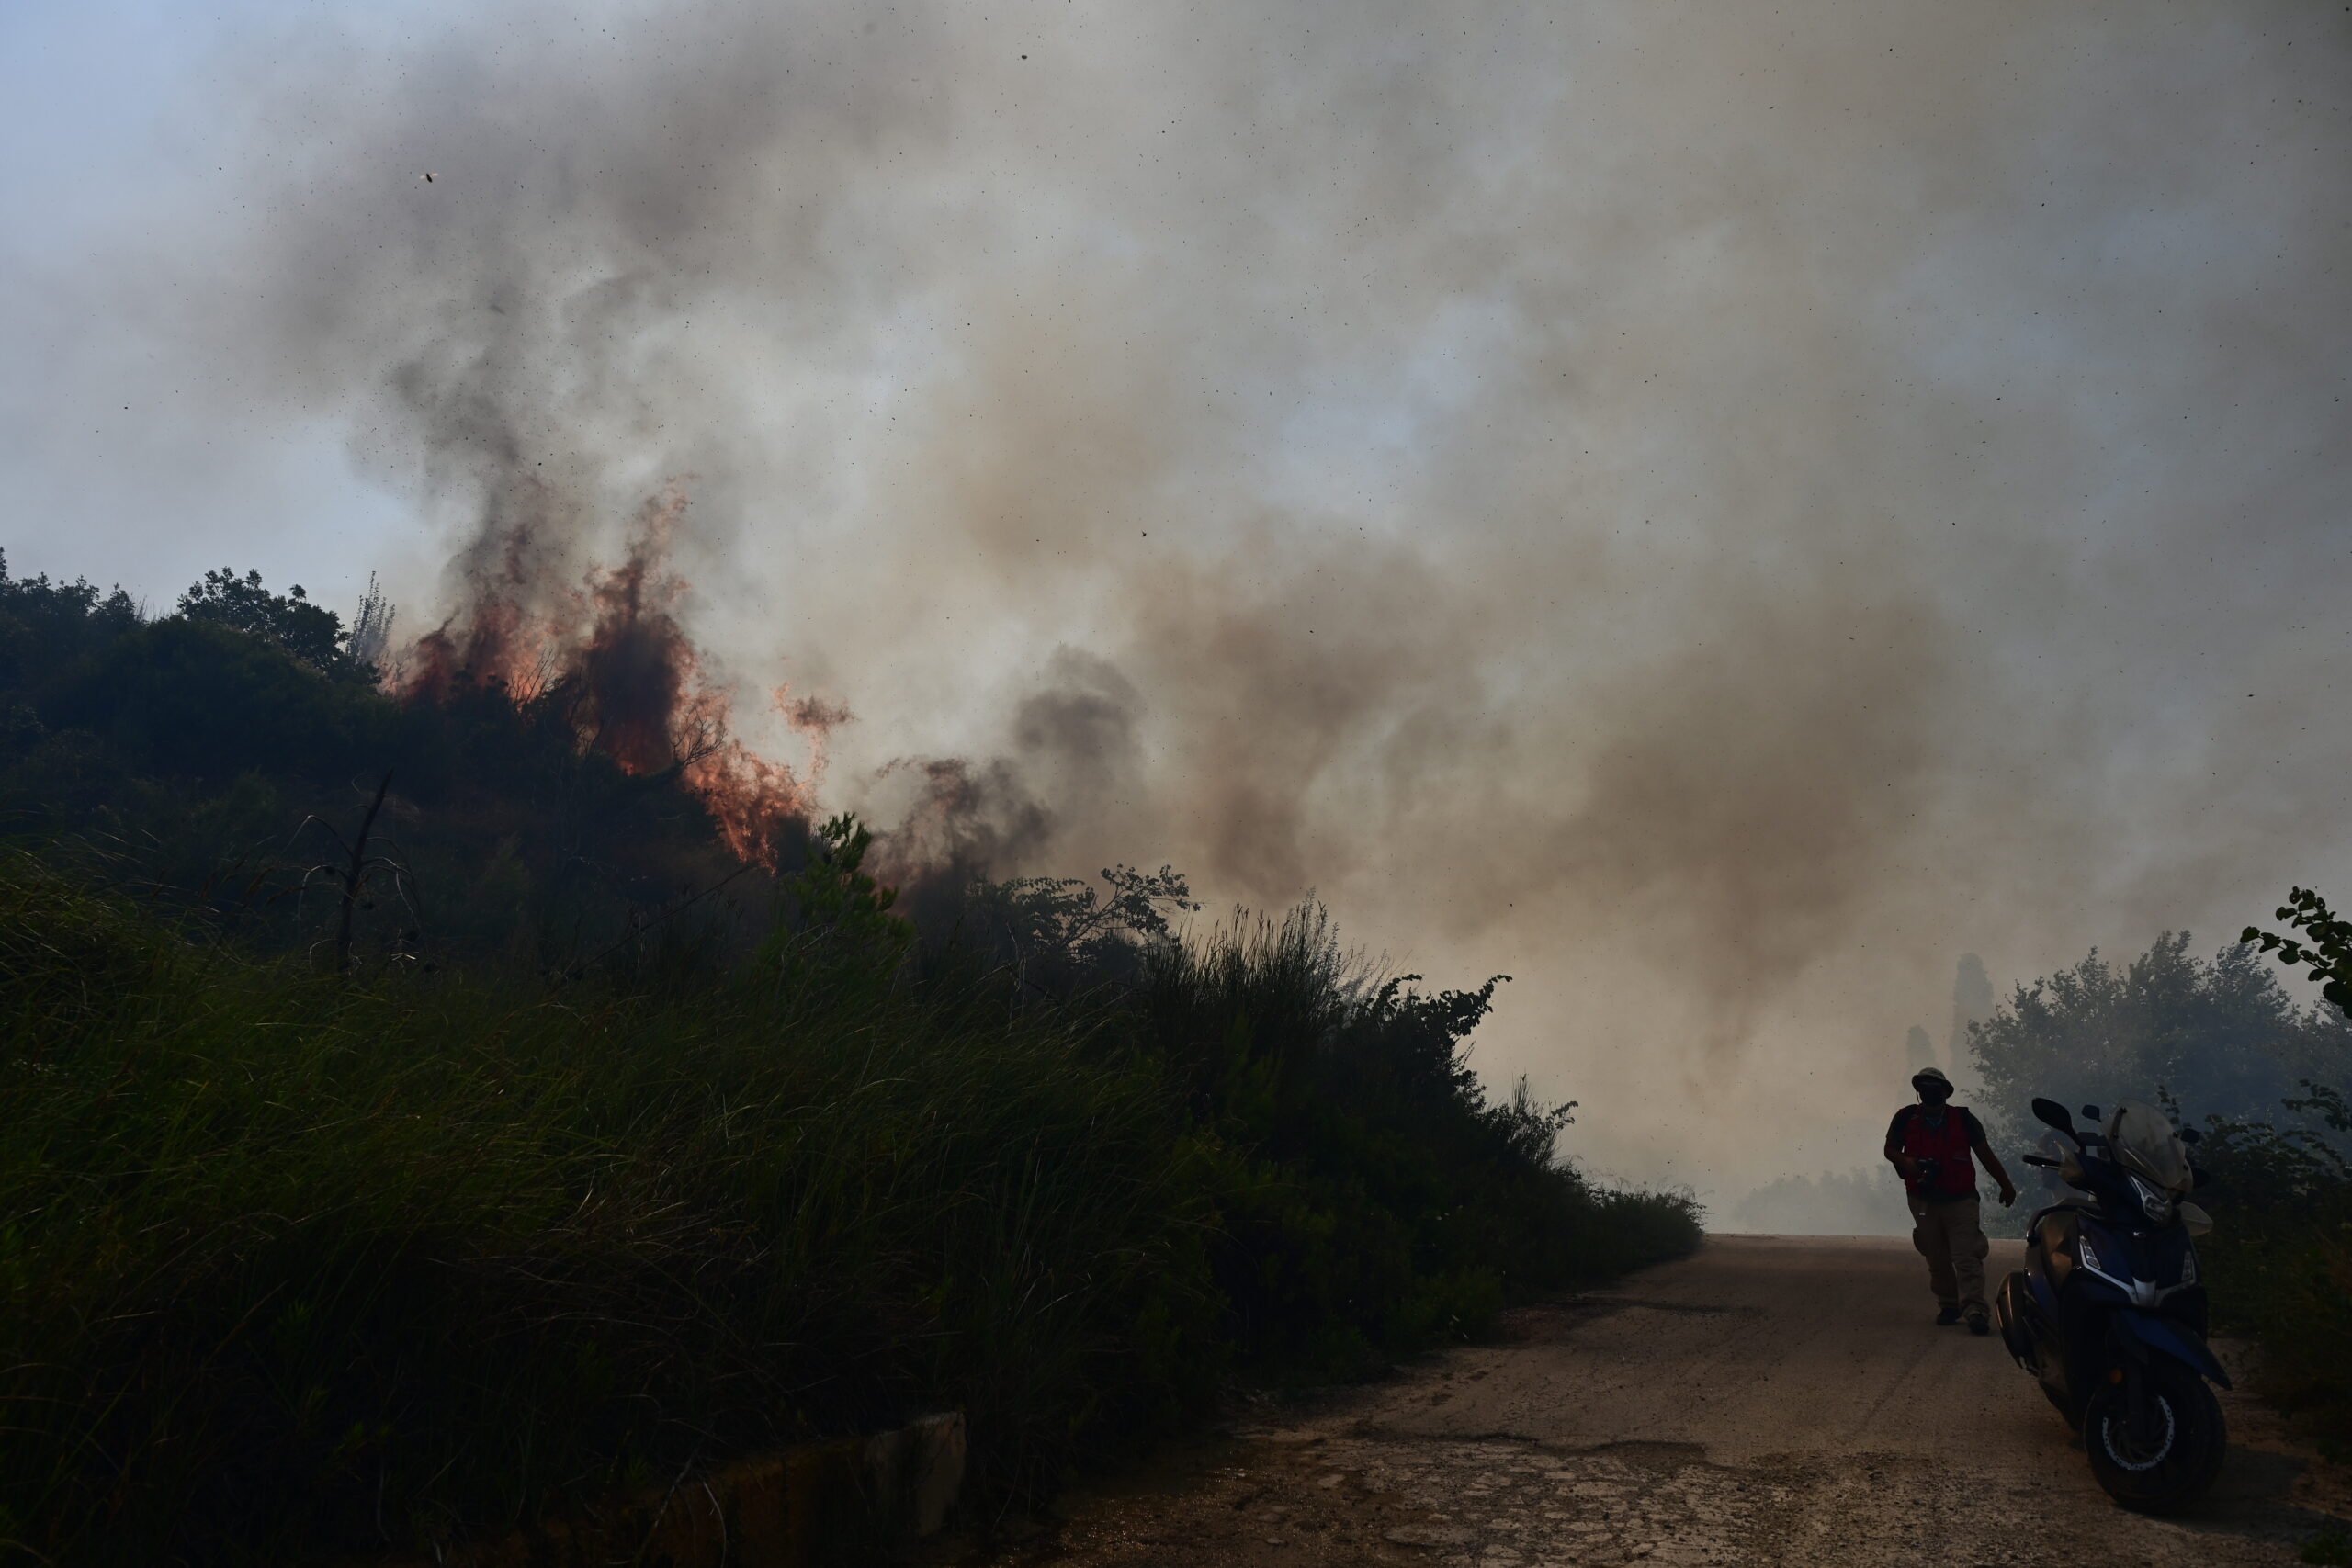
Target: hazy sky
(1715, 511)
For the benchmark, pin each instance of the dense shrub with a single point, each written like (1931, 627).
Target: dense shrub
(1374, 1198)
(2279, 1261)
(294, 1266)
(2283, 1273)
(289, 1263)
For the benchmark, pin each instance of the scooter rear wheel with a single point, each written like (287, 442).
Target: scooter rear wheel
(2169, 1464)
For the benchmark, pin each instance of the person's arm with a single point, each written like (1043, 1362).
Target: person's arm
(1992, 1161)
(1903, 1164)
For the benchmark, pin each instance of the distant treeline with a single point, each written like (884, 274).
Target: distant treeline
(1865, 1200)
(2218, 1037)
(604, 1159)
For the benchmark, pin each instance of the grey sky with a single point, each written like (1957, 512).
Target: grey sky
(1715, 511)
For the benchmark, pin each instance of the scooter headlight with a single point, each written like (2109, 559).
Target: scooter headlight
(2155, 1201)
(2088, 1254)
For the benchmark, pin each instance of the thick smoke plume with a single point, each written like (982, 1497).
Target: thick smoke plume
(1713, 511)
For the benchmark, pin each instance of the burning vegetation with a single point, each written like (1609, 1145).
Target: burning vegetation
(609, 655)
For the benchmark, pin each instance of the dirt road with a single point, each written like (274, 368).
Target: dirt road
(1769, 1401)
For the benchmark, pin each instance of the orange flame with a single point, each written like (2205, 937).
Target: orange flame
(628, 677)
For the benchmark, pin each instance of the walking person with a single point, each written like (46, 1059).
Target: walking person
(1935, 1145)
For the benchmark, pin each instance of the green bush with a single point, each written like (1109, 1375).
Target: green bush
(2279, 1259)
(294, 1267)
(291, 1267)
(2282, 1272)
(1374, 1202)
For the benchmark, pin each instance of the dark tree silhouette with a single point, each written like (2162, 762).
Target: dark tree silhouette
(310, 634)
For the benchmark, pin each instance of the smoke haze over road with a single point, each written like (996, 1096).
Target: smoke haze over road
(1712, 511)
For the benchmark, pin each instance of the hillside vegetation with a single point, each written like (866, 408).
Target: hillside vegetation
(602, 1159)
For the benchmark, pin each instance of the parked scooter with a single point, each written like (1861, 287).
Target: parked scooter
(2110, 1315)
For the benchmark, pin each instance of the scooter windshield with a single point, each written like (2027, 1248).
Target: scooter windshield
(2062, 1177)
(2142, 1140)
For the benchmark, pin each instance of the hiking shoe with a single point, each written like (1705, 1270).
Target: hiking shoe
(1947, 1317)
(1978, 1324)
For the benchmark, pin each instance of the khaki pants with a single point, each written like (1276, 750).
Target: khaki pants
(1949, 1236)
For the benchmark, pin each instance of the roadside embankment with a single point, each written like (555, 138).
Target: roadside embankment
(296, 1267)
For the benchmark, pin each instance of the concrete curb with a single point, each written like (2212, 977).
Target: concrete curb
(805, 1506)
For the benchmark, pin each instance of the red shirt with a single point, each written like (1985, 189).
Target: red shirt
(1946, 1135)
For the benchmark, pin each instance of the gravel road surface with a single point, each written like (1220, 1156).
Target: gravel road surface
(1769, 1401)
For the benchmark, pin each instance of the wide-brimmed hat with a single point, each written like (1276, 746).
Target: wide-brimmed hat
(1930, 1075)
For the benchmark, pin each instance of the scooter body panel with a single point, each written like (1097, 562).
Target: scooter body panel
(2165, 1337)
(2042, 1303)
(2012, 1304)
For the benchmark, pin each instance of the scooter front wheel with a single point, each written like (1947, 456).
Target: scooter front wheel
(2169, 1460)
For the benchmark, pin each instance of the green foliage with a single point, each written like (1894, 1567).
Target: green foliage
(2326, 947)
(2223, 1037)
(291, 1267)
(1373, 1200)
(290, 621)
(2280, 1258)
(278, 1254)
(2282, 1266)
(193, 697)
(48, 618)
(834, 929)
(1056, 934)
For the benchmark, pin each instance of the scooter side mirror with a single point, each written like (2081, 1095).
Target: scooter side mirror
(2191, 1135)
(2051, 1114)
(2091, 1112)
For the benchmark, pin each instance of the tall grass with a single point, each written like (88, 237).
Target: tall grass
(2287, 1284)
(2279, 1259)
(291, 1267)
(1374, 1199)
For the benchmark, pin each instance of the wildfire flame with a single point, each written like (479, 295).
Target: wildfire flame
(611, 654)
